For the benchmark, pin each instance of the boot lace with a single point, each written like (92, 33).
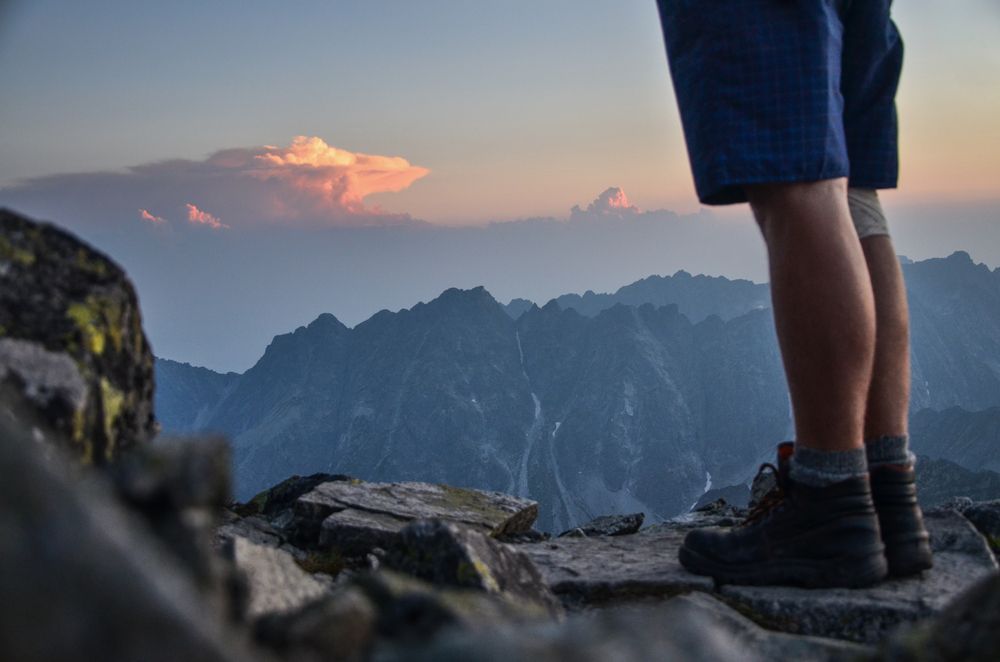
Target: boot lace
(770, 501)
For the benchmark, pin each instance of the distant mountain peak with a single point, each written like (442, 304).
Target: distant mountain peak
(478, 293)
(326, 321)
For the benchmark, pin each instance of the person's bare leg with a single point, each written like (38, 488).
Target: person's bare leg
(889, 394)
(823, 308)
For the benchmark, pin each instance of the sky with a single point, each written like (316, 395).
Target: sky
(383, 146)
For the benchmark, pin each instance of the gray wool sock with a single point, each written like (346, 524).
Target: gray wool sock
(821, 468)
(888, 450)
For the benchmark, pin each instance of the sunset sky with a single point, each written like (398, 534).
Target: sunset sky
(226, 117)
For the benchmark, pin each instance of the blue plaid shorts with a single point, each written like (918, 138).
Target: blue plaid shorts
(784, 91)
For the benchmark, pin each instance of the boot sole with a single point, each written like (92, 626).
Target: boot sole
(856, 572)
(909, 558)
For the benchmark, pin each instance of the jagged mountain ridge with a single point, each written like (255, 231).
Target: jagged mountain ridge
(954, 306)
(588, 415)
(697, 297)
(632, 408)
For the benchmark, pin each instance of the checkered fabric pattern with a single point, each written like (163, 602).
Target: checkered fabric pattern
(784, 91)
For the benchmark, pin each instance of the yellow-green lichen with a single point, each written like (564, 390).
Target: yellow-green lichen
(87, 321)
(16, 254)
(475, 572)
(113, 402)
(98, 320)
(79, 423)
(84, 263)
(329, 562)
(254, 506)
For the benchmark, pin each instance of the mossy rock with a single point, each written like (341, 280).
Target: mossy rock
(71, 342)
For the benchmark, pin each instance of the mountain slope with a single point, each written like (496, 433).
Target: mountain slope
(968, 438)
(186, 395)
(955, 333)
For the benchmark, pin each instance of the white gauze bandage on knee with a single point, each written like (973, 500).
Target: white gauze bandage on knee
(866, 212)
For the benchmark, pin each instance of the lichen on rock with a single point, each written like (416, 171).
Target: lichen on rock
(69, 312)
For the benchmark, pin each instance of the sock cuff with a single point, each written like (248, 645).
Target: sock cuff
(820, 468)
(866, 212)
(888, 450)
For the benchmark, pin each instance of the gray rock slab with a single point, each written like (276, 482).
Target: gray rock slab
(685, 629)
(968, 630)
(608, 570)
(339, 626)
(767, 644)
(275, 582)
(409, 609)
(622, 636)
(961, 557)
(254, 529)
(446, 554)
(45, 375)
(337, 513)
(355, 532)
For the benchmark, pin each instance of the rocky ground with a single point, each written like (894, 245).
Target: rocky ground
(114, 548)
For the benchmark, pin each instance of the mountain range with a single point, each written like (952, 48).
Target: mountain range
(637, 400)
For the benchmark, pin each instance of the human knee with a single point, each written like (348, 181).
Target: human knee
(778, 203)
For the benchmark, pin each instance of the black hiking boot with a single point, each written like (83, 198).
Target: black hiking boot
(907, 544)
(796, 535)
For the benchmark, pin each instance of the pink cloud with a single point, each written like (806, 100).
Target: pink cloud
(308, 183)
(612, 200)
(146, 216)
(199, 217)
(331, 180)
(611, 203)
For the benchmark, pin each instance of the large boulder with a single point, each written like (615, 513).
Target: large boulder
(82, 578)
(72, 348)
(275, 582)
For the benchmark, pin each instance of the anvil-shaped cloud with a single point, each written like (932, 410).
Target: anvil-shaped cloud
(612, 203)
(308, 183)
